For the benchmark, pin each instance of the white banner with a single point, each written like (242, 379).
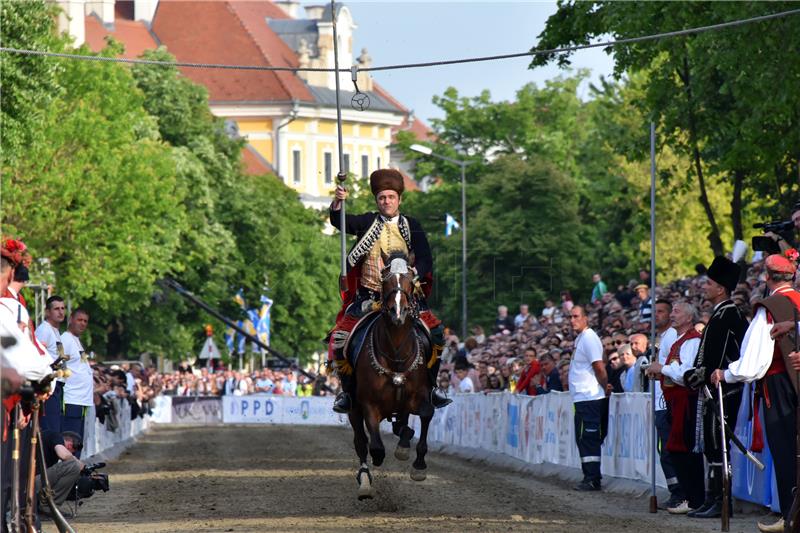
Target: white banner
(541, 429)
(267, 409)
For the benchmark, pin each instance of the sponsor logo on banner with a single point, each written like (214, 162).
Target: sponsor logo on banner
(268, 409)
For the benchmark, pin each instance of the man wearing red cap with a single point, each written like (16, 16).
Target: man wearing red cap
(378, 234)
(768, 363)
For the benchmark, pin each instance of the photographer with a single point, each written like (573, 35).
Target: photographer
(778, 236)
(63, 467)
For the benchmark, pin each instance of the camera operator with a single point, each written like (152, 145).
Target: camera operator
(63, 467)
(779, 236)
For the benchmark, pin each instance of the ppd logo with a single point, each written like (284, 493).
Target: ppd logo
(252, 408)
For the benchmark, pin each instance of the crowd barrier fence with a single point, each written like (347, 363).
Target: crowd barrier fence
(117, 429)
(535, 430)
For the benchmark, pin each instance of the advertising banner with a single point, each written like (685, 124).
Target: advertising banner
(266, 409)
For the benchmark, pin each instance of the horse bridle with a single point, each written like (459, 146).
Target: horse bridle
(398, 377)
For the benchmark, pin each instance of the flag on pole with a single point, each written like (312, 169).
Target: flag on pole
(264, 320)
(230, 334)
(450, 224)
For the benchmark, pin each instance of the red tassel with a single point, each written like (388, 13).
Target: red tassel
(757, 440)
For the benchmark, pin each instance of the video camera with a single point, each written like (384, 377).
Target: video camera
(782, 228)
(90, 481)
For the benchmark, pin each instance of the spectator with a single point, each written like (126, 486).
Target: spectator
(587, 384)
(49, 335)
(599, 288)
(503, 322)
(522, 316)
(563, 373)
(464, 382)
(566, 303)
(552, 379)
(530, 378)
(645, 303)
(549, 311)
(79, 388)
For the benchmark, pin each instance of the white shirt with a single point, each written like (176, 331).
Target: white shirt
(465, 385)
(688, 353)
(583, 384)
(757, 349)
(79, 387)
(48, 336)
(668, 338)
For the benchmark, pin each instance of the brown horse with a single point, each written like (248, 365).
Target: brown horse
(392, 378)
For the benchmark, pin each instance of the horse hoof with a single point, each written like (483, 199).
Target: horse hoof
(365, 493)
(418, 475)
(365, 489)
(402, 454)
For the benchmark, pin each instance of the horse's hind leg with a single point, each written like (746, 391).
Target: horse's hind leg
(419, 467)
(376, 449)
(363, 476)
(401, 429)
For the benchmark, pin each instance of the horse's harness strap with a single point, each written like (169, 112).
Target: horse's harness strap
(398, 378)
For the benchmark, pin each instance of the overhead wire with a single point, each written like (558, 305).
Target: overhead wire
(530, 53)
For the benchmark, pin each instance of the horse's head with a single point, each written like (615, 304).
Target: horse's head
(398, 287)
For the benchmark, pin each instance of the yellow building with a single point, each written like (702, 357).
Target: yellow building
(288, 118)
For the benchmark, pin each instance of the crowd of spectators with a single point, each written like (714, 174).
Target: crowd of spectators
(531, 352)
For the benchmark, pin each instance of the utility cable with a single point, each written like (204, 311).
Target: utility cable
(567, 49)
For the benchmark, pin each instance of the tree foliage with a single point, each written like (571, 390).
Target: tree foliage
(122, 176)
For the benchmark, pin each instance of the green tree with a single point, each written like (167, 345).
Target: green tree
(712, 94)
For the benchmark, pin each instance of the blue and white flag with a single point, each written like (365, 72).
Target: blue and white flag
(230, 334)
(264, 320)
(450, 224)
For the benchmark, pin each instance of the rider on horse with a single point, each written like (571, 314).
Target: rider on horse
(379, 234)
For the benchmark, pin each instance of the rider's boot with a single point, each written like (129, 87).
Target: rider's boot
(344, 400)
(439, 398)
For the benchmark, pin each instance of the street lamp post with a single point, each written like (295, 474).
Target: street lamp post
(463, 164)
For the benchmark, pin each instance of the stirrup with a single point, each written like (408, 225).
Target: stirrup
(439, 399)
(342, 404)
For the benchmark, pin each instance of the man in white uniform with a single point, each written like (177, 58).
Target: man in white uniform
(49, 336)
(79, 388)
(587, 385)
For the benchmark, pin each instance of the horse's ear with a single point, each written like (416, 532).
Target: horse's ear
(411, 259)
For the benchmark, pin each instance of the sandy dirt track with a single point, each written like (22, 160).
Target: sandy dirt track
(291, 478)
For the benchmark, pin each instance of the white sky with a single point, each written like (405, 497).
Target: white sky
(408, 32)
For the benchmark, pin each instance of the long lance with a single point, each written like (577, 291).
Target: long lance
(341, 177)
(177, 287)
(653, 433)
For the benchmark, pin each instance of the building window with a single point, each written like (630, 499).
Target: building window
(296, 165)
(328, 168)
(379, 162)
(364, 166)
(347, 163)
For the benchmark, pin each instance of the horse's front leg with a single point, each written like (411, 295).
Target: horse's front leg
(372, 418)
(363, 476)
(419, 467)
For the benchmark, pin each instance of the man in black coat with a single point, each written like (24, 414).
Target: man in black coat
(719, 346)
(377, 235)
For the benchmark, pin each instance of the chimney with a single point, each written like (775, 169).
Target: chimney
(289, 7)
(145, 10)
(104, 9)
(314, 12)
(71, 19)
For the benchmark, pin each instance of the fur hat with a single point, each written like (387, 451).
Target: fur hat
(386, 179)
(725, 272)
